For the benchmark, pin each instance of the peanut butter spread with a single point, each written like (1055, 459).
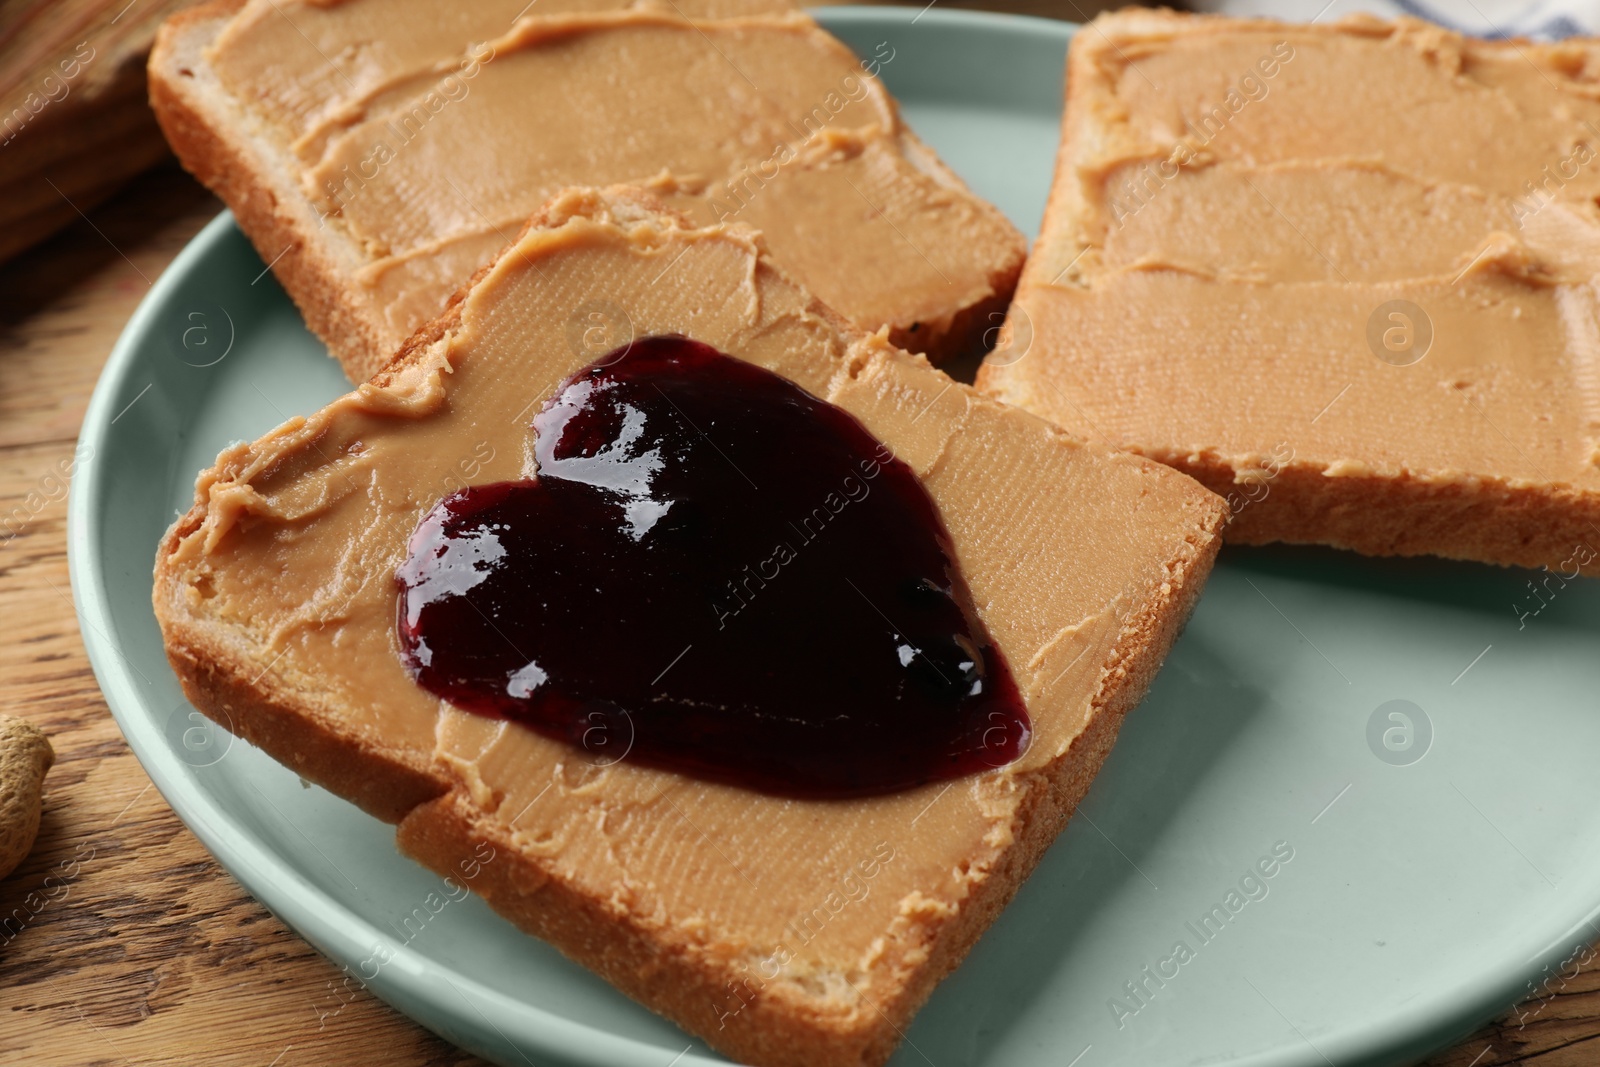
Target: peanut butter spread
(1370, 246)
(427, 133)
(1065, 547)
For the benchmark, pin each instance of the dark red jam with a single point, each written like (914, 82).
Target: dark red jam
(716, 573)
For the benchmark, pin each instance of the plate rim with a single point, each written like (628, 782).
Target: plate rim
(1430, 1022)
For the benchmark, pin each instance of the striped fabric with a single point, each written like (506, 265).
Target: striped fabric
(1544, 19)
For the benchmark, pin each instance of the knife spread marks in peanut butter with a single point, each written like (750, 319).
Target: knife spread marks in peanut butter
(1377, 242)
(426, 137)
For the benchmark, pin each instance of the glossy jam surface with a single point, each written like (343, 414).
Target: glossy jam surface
(714, 572)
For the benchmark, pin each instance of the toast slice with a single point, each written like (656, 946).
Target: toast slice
(378, 152)
(1342, 274)
(781, 931)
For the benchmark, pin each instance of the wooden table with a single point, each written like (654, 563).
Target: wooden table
(152, 954)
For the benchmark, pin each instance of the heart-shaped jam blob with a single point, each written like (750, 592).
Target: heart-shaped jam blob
(715, 572)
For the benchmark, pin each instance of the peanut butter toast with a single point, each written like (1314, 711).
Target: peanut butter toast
(688, 894)
(378, 152)
(1343, 274)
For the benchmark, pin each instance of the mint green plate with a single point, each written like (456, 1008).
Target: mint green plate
(1445, 850)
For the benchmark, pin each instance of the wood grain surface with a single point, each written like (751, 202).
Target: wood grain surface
(121, 940)
(74, 124)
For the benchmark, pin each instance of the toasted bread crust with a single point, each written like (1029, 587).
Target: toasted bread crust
(277, 723)
(1401, 515)
(668, 979)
